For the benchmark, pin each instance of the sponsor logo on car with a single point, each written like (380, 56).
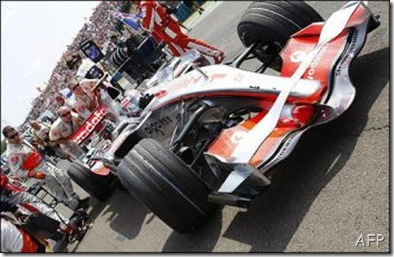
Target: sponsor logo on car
(88, 127)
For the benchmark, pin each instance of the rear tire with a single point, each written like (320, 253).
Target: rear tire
(271, 23)
(97, 186)
(166, 185)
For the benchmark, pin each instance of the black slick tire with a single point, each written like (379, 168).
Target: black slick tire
(271, 23)
(166, 185)
(97, 186)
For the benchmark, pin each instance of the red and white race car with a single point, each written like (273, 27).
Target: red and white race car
(212, 135)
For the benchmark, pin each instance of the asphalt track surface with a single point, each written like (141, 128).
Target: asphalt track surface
(334, 187)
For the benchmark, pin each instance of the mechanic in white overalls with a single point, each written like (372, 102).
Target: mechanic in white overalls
(40, 136)
(62, 130)
(27, 163)
(16, 200)
(86, 100)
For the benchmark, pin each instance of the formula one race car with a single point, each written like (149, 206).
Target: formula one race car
(114, 112)
(212, 135)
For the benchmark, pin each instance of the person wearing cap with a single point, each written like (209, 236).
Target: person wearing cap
(83, 94)
(25, 163)
(62, 130)
(86, 100)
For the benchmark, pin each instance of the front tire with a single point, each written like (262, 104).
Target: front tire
(271, 24)
(97, 186)
(166, 185)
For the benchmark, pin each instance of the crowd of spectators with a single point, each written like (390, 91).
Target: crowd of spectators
(100, 26)
(100, 23)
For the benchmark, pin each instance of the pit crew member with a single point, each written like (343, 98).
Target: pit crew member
(157, 21)
(26, 163)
